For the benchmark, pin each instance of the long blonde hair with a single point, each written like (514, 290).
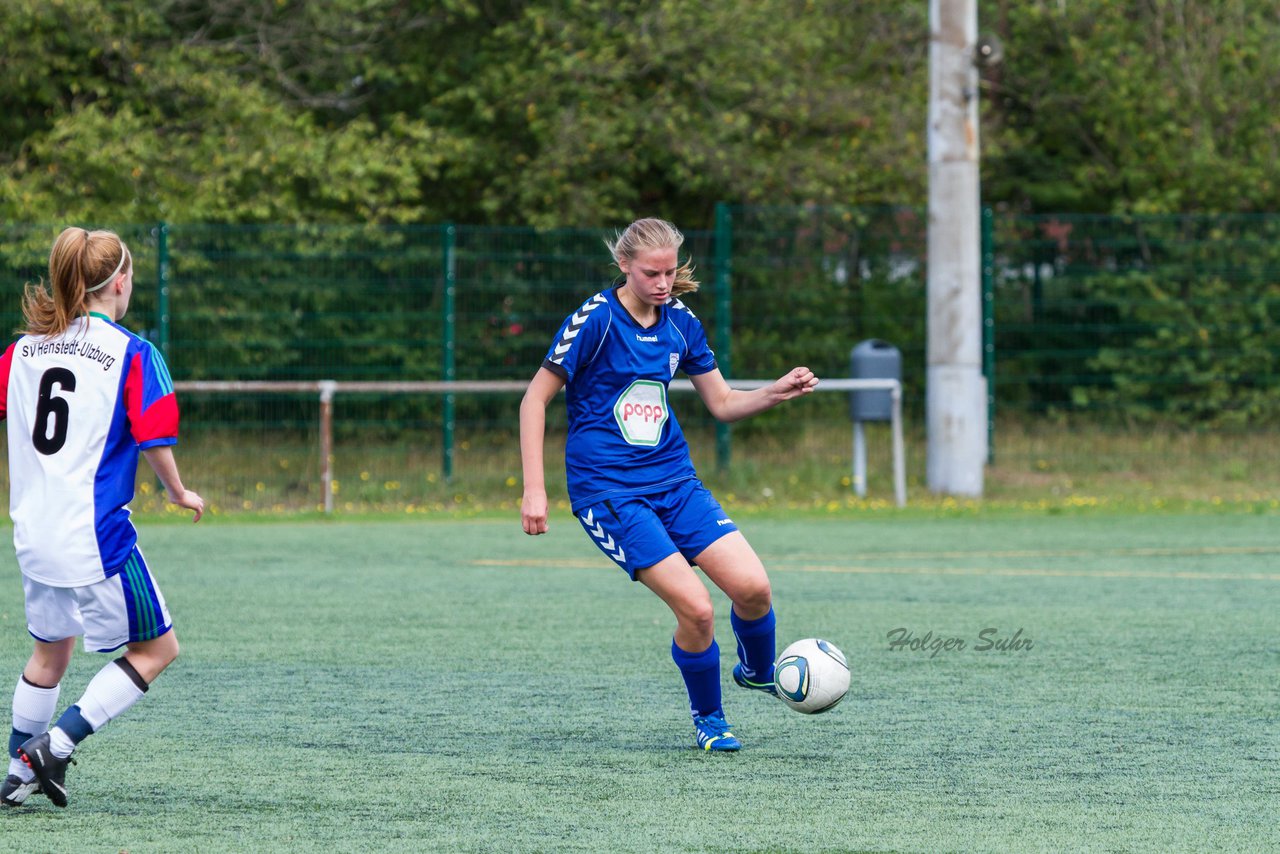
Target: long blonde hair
(80, 262)
(651, 233)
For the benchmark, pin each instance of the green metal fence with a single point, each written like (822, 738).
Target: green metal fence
(1143, 318)
(1119, 349)
(1139, 350)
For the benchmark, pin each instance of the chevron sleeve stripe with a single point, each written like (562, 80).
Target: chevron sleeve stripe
(574, 326)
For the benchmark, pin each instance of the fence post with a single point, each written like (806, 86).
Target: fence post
(449, 335)
(327, 389)
(724, 320)
(162, 283)
(989, 325)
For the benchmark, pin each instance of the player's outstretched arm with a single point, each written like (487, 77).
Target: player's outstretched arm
(533, 427)
(728, 404)
(161, 460)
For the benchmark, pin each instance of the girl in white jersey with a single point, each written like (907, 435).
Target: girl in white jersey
(83, 396)
(631, 482)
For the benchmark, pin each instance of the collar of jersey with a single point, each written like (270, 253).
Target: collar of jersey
(100, 314)
(662, 315)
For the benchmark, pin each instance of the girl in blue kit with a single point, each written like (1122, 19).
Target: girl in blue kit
(631, 482)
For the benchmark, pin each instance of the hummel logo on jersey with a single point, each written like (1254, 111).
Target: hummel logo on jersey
(575, 326)
(640, 337)
(724, 521)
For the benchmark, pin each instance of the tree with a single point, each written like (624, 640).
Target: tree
(160, 123)
(544, 113)
(590, 113)
(598, 111)
(1154, 107)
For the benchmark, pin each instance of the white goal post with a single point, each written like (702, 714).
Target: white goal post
(325, 390)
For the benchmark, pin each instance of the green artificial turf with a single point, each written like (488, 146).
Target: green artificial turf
(458, 686)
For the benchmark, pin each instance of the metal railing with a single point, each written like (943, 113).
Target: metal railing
(326, 390)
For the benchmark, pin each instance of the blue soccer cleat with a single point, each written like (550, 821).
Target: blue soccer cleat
(744, 682)
(713, 732)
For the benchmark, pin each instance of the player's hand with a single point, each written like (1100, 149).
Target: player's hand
(796, 382)
(533, 512)
(189, 500)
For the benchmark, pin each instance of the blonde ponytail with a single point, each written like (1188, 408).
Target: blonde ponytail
(80, 261)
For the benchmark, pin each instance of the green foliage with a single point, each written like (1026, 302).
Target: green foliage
(1208, 340)
(313, 302)
(810, 283)
(593, 111)
(371, 110)
(1149, 319)
(154, 123)
(551, 114)
(1209, 361)
(810, 115)
(1156, 107)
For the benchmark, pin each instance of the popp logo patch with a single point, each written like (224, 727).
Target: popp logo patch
(641, 411)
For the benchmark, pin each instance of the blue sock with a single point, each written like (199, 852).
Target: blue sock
(74, 725)
(755, 645)
(16, 738)
(701, 672)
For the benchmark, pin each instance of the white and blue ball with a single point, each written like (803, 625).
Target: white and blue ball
(811, 676)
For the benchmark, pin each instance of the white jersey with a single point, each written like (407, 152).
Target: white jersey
(80, 405)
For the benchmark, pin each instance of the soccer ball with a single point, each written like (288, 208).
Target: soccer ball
(811, 676)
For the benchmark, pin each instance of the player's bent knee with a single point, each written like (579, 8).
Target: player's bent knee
(153, 656)
(698, 617)
(754, 600)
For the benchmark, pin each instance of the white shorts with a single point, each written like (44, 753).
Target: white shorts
(125, 608)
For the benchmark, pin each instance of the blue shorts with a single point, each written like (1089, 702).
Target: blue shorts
(638, 531)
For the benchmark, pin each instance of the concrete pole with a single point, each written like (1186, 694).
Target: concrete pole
(956, 394)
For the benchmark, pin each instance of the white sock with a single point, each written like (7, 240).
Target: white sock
(60, 744)
(110, 694)
(33, 709)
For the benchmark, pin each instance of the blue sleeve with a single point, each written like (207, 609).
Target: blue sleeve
(699, 358)
(579, 338)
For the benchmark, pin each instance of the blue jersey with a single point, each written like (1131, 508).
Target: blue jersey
(623, 437)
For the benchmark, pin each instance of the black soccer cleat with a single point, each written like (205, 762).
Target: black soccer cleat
(50, 770)
(15, 790)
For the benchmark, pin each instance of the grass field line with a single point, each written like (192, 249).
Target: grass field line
(1204, 551)
(1031, 572)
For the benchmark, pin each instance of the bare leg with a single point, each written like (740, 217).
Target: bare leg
(151, 657)
(734, 567)
(49, 662)
(675, 583)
